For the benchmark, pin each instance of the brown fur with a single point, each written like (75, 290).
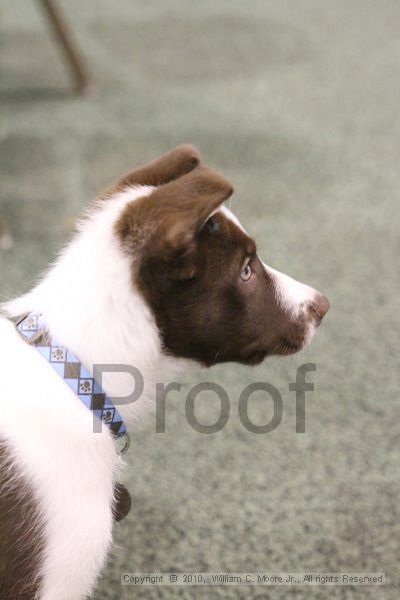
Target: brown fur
(166, 223)
(21, 540)
(122, 502)
(162, 170)
(190, 275)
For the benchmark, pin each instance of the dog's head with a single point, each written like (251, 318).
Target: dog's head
(212, 297)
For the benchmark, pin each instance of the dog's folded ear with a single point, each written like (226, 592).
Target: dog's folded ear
(172, 216)
(162, 170)
(183, 206)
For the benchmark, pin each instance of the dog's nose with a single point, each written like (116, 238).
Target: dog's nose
(319, 306)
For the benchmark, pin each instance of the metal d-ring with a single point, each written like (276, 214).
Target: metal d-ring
(127, 444)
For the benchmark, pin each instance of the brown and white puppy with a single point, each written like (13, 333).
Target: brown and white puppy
(160, 276)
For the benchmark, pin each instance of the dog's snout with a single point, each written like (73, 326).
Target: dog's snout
(319, 306)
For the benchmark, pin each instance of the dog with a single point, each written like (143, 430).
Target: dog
(160, 275)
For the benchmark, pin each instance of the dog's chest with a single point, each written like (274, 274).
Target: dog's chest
(49, 434)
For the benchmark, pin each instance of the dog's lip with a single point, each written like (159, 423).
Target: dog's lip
(284, 346)
(291, 347)
(257, 355)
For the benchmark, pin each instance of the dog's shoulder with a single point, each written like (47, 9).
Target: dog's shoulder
(10, 342)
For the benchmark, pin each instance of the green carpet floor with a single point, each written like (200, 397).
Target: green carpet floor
(297, 102)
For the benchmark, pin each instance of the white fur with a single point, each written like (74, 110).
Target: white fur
(90, 306)
(292, 295)
(229, 215)
(89, 303)
(49, 432)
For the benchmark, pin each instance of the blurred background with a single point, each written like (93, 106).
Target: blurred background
(297, 103)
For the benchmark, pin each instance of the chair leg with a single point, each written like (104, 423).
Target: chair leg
(74, 59)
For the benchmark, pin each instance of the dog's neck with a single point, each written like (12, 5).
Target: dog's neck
(90, 305)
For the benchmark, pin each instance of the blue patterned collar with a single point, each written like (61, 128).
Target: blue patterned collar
(33, 329)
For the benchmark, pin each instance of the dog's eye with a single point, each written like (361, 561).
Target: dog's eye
(246, 272)
(212, 225)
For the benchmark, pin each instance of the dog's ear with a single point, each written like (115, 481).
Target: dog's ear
(181, 208)
(162, 170)
(172, 215)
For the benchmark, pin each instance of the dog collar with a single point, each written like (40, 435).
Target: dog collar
(34, 330)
